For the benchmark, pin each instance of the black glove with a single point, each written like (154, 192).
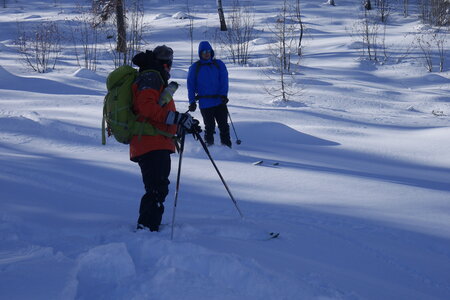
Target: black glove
(192, 106)
(185, 120)
(195, 127)
(224, 99)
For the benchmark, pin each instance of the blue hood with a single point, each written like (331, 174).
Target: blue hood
(205, 45)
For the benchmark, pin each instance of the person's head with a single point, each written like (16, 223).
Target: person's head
(160, 59)
(164, 55)
(161, 56)
(205, 51)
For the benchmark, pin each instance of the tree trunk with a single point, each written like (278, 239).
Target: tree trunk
(299, 19)
(121, 30)
(223, 24)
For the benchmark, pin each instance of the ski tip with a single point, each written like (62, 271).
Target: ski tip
(274, 235)
(260, 162)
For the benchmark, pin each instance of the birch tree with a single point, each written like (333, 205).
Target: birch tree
(223, 24)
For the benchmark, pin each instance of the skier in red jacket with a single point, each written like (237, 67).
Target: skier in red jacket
(152, 152)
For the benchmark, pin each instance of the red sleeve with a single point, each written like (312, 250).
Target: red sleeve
(146, 106)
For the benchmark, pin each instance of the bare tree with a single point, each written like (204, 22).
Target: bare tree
(135, 29)
(190, 14)
(280, 55)
(40, 48)
(425, 44)
(114, 7)
(85, 35)
(405, 8)
(121, 29)
(237, 38)
(366, 30)
(223, 24)
(128, 26)
(440, 39)
(298, 17)
(384, 9)
(435, 12)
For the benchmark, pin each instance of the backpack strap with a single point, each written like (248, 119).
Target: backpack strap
(142, 123)
(104, 122)
(149, 83)
(199, 65)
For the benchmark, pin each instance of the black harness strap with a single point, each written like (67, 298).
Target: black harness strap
(197, 70)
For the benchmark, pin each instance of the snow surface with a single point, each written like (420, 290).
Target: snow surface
(356, 174)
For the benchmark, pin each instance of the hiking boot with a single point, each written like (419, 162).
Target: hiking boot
(152, 228)
(141, 227)
(227, 143)
(150, 215)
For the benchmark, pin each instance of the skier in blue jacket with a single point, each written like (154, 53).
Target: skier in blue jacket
(207, 82)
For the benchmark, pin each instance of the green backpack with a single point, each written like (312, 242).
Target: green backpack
(119, 119)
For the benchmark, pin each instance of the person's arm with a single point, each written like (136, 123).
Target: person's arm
(191, 83)
(223, 90)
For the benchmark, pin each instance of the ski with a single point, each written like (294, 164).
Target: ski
(260, 162)
(273, 235)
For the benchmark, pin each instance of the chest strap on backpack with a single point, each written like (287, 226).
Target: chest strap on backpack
(207, 96)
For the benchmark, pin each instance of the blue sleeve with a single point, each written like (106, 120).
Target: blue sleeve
(191, 83)
(223, 91)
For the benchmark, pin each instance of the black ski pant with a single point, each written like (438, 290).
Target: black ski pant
(155, 169)
(218, 114)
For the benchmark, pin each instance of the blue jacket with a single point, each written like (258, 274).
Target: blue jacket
(209, 82)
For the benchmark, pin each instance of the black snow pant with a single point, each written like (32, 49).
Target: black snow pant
(155, 169)
(218, 114)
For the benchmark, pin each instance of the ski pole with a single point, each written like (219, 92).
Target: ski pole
(197, 135)
(238, 141)
(183, 136)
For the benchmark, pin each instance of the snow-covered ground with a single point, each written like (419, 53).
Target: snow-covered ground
(355, 175)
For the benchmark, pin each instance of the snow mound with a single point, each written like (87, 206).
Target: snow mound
(40, 84)
(106, 263)
(180, 15)
(276, 133)
(88, 74)
(102, 269)
(5, 76)
(435, 78)
(31, 126)
(260, 41)
(33, 17)
(161, 16)
(3, 47)
(412, 108)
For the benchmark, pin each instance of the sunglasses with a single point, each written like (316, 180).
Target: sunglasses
(206, 52)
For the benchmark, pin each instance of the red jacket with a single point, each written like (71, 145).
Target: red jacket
(146, 92)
